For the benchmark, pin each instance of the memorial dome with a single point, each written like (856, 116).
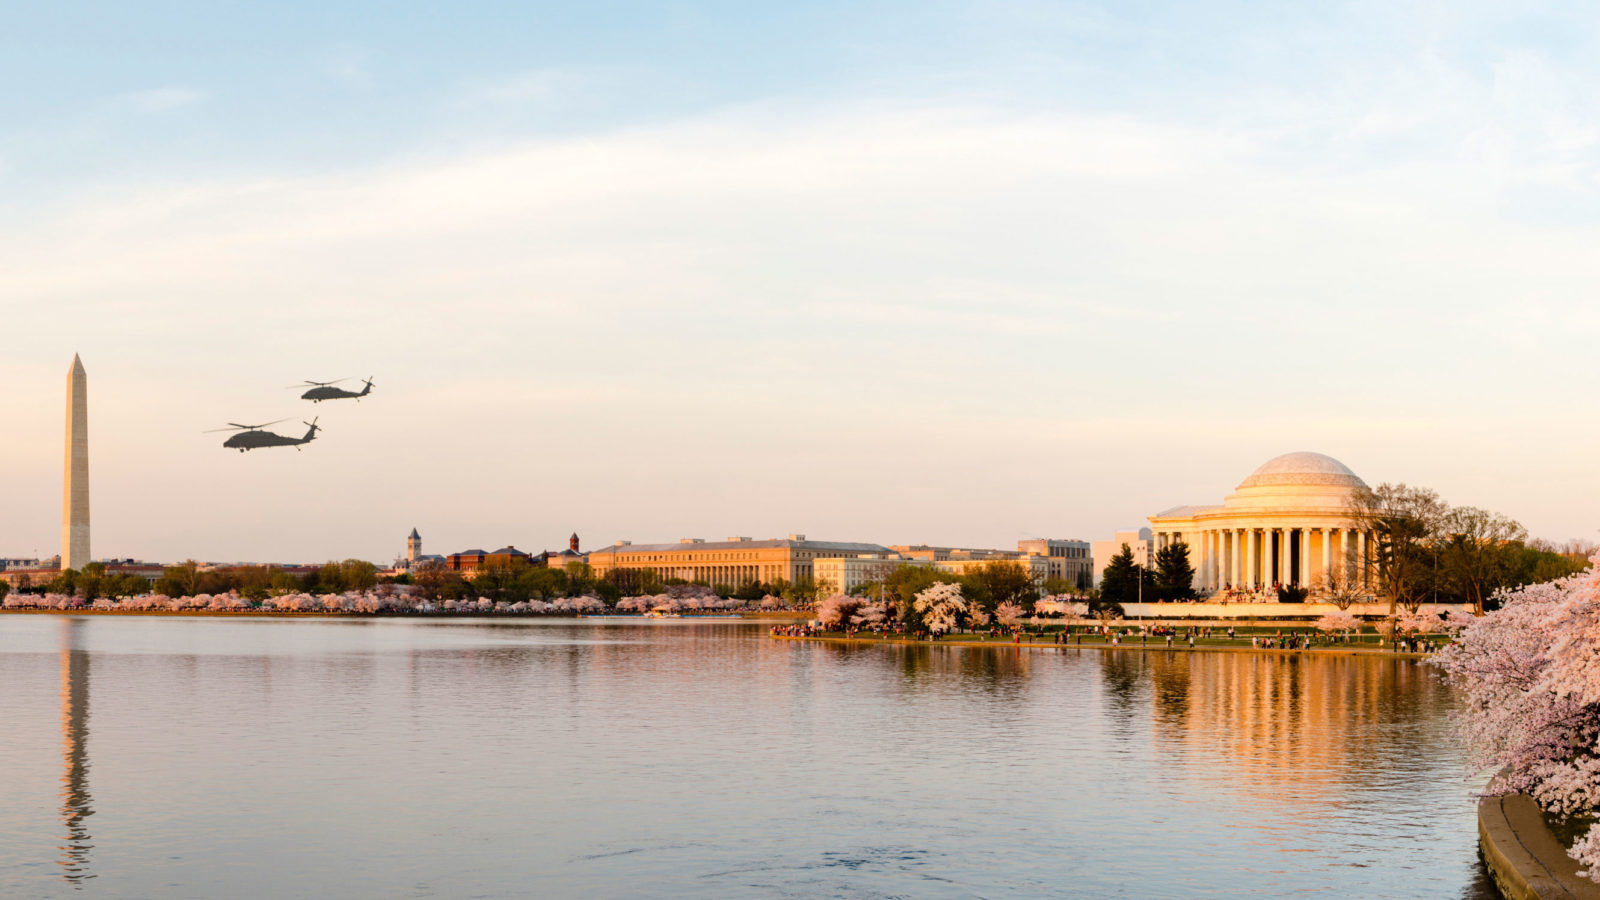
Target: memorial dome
(1302, 468)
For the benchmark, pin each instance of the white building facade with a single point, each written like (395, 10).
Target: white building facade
(1289, 523)
(1141, 543)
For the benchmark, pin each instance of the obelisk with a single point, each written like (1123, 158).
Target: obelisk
(75, 495)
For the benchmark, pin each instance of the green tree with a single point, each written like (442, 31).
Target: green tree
(580, 579)
(1003, 581)
(1174, 576)
(1125, 581)
(608, 592)
(635, 582)
(438, 582)
(5, 588)
(65, 582)
(1054, 585)
(802, 592)
(358, 575)
(540, 583)
(1476, 554)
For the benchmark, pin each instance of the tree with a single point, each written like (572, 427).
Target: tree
(1122, 578)
(1053, 586)
(1289, 593)
(1008, 614)
(437, 582)
(1174, 577)
(1532, 686)
(1476, 553)
(5, 588)
(282, 582)
(1005, 582)
(358, 575)
(1403, 522)
(1342, 590)
(580, 579)
(635, 582)
(540, 583)
(835, 611)
(65, 582)
(1337, 621)
(941, 607)
(802, 592)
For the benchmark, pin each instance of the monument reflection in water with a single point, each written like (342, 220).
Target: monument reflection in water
(75, 799)
(682, 759)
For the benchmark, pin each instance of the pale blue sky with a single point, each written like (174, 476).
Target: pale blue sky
(944, 272)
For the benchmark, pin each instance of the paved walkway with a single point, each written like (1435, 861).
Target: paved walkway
(1161, 645)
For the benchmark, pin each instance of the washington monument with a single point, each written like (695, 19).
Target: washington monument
(75, 493)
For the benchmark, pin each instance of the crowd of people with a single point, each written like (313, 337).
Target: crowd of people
(1166, 635)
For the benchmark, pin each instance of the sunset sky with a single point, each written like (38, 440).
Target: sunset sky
(957, 273)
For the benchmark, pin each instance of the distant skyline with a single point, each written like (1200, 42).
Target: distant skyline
(941, 272)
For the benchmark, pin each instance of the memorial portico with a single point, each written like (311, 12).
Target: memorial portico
(1289, 523)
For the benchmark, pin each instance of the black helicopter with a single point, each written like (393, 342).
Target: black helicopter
(251, 437)
(325, 390)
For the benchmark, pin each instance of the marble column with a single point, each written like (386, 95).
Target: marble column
(1327, 556)
(1250, 557)
(1361, 556)
(1282, 537)
(1234, 556)
(1210, 541)
(1305, 557)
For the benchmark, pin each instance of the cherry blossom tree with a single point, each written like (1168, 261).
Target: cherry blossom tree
(836, 609)
(941, 606)
(870, 614)
(977, 616)
(1008, 614)
(1336, 622)
(1050, 606)
(1531, 674)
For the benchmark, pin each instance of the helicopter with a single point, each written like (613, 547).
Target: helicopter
(251, 437)
(325, 390)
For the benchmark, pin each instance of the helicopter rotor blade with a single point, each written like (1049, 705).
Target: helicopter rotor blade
(235, 426)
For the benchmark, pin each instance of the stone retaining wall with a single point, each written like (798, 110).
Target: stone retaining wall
(1527, 861)
(1267, 610)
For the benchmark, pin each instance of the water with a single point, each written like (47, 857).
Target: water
(207, 757)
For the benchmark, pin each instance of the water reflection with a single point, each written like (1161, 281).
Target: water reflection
(705, 761)
(1287, 722)
(75, 799)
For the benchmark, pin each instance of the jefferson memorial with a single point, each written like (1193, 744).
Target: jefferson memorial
(1288, 523)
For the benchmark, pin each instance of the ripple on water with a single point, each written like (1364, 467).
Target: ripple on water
(198, 758)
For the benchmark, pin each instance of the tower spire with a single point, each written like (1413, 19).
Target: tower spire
(75, 485)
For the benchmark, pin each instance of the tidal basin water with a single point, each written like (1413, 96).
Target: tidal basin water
(265, 758)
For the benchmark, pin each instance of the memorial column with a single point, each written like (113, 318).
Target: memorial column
(1250, 557)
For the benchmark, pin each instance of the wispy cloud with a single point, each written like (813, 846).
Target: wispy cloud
(162, 99)
(349, 64)
(544, 87)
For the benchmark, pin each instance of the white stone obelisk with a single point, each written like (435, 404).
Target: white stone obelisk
(75, 493)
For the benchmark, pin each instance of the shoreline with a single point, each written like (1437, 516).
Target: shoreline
(1525, 859)
(348, 614)
(1105, 645)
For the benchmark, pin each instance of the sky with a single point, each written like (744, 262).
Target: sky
(953, 273)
